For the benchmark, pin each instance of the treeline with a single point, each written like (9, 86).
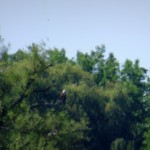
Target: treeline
(107, 105)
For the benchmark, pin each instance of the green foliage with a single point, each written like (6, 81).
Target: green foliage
(3, 50)
(19, 56)
(55, 56)
(107, 106)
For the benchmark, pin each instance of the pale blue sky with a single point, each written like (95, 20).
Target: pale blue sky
(123, 26)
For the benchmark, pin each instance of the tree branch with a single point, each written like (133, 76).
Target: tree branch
(23, 95)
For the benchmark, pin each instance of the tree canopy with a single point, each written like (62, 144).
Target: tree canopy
(107, 105)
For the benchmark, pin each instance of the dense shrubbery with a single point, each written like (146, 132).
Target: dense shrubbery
(107, 105)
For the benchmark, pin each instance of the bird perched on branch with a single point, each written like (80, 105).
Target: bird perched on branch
(63, 96)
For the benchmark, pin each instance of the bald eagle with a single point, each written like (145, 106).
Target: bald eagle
(63, 96)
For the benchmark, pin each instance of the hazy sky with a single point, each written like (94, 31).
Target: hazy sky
(123, 26)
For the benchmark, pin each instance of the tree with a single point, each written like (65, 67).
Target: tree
(107, 106)
(134, 77)
(29, 114)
